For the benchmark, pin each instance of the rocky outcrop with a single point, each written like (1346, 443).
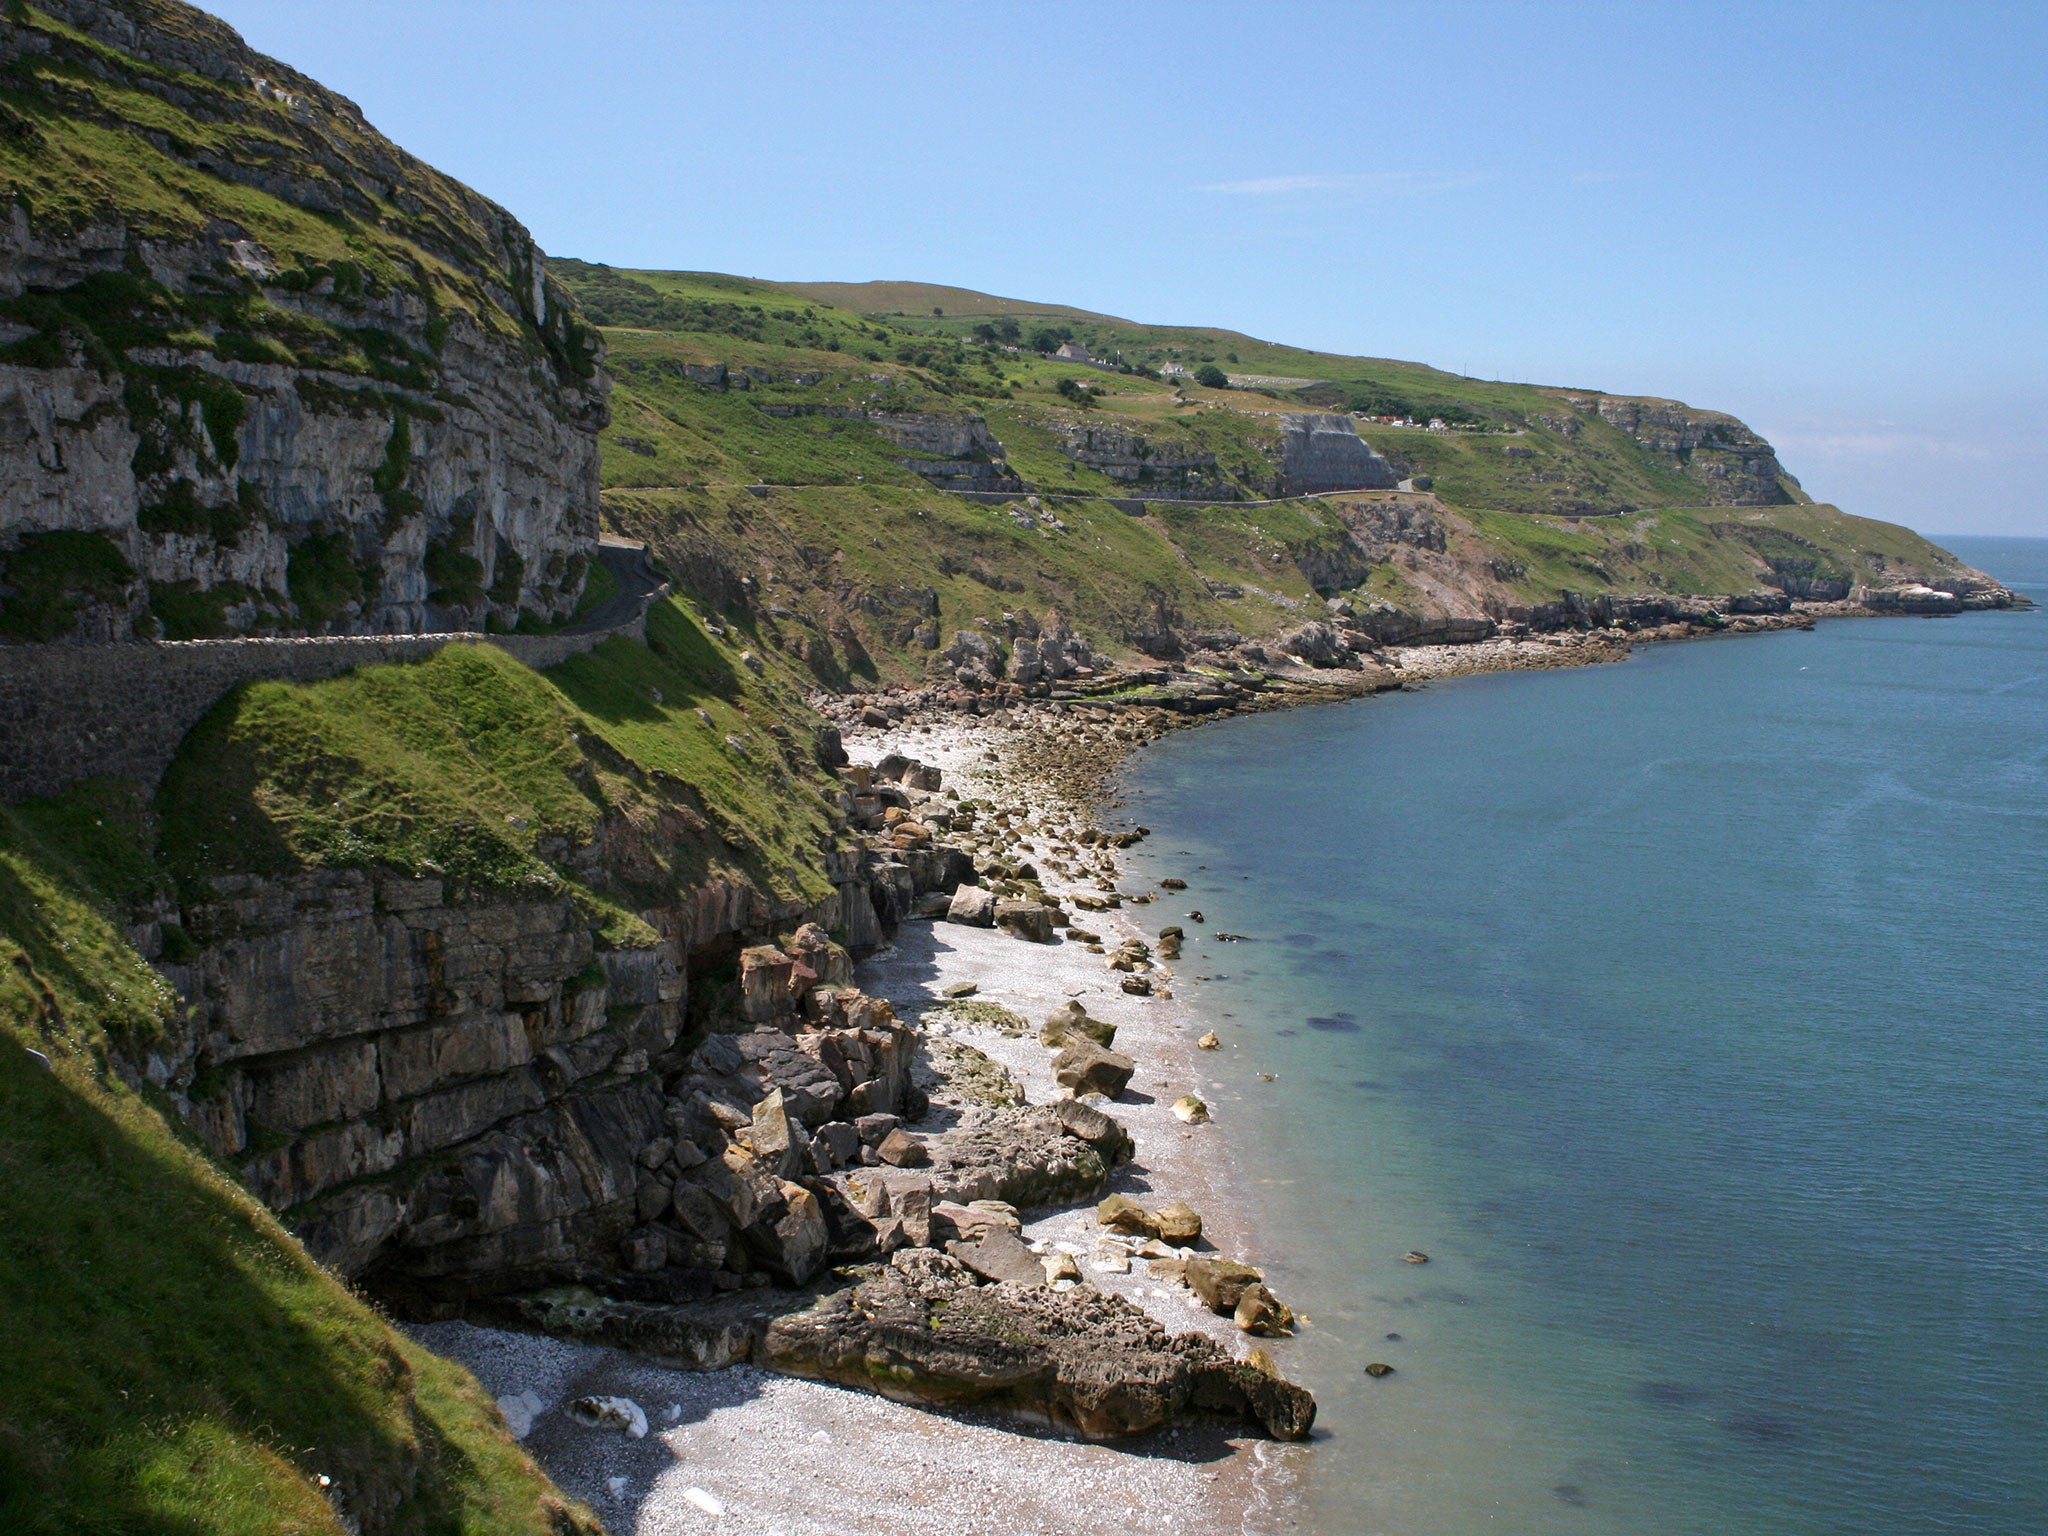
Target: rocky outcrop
(926, 1327)
(450, 1093)
(1733, 466)
(211, 427)
(1165, 471)
(1322, 451)
(955, 453)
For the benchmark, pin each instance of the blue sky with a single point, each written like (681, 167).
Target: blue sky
(1830, 220)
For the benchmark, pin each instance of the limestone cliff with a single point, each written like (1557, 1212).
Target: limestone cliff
(1322, 451)
(1735, 466)
(260, 368)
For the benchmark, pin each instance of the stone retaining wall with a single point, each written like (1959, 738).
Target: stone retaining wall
(72, 712)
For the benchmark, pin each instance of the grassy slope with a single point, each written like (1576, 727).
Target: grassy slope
(472, 765)
(170, 1358)
(847, 538)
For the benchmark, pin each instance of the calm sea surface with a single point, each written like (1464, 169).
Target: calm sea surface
(1692, 1015)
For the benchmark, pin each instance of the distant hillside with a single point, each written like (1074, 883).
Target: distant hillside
(887, 298)
(804, 459)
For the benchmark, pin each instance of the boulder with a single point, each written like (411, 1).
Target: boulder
(1209, 1042)
(1138, 985)
(1086, 1123)
(1069, 1024)
(1120, 1213)
(791, 1242)
(1178, 1223)
(1189, 1110)
(900, 1149)
(1025, 919)
(996, 1253)
(922, 1328)
(773, 1137)
(620, 1413)
(1221, 1283)
(1259, 1311)
(973, 905)
(1088, 1068)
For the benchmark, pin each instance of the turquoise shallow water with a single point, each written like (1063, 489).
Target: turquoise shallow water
(1690, 1013)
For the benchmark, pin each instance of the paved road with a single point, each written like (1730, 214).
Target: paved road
(635, 578)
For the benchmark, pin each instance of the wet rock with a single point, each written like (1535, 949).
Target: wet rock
(1259, 1311)
(1220, 1283)
(922, 1329)
(1378, 1369)
(1209, 1042)
(1139, 985)
(1189, 1110)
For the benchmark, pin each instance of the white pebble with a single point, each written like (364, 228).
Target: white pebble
(704, 1501)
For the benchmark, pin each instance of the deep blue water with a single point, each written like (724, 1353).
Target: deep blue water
(1691, 1013)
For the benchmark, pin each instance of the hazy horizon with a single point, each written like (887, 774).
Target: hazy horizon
(1826, 222)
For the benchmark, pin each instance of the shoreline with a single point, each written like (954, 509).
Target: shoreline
(869, 1463)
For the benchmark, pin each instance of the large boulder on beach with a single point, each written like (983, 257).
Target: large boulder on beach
(973, 905)
(1088, 1068)
(1120, 1213)
(1084, 1122)
(1219, 1282)
(1179, 1223)
(925, 1328)
(1025, 919)
(1261, 1313)
(1069, 1024)
(998, 1254)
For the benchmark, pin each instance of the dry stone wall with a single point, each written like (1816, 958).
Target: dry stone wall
(73, 712)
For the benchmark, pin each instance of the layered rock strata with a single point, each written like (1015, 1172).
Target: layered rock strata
(216, 421)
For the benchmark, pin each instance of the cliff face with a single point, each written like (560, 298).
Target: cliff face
(259, 368)
(1736, 467)
(1322, 451)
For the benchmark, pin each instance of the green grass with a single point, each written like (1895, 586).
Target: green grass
(471, 766)
(170, 1359)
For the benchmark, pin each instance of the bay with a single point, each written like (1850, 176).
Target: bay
(1688, 1013)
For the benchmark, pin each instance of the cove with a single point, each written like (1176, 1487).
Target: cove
(1688, 1013)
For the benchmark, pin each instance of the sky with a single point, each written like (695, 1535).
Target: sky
(1829, 220)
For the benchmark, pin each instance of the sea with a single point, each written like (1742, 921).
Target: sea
(1689, 1015)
